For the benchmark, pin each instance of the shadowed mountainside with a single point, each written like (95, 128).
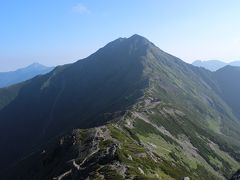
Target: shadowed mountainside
(228, 81)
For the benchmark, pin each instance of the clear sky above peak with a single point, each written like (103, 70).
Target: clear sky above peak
(58, 32)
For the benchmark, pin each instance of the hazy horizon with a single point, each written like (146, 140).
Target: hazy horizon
(36, 62)
(55, 33)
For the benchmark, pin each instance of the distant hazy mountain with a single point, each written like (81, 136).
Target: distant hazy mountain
(13, 77)
(214, 65)
(234, 63)
(128, 111)
(228, 80)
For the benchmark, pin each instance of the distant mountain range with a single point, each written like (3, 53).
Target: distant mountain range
(13, 77)
(128, 111)
(214, 65)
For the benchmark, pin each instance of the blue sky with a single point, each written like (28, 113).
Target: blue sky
(63, 31)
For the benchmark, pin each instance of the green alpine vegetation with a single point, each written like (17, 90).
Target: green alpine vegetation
(128, 111)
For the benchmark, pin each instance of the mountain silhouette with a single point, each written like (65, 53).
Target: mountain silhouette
(13, 77)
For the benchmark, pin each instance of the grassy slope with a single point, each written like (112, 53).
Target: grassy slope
(116, 151)
(8, 94)
(185, 105)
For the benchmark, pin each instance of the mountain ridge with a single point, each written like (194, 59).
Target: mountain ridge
(141, 112)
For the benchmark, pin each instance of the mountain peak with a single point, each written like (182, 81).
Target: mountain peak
(22, 74)
(134, 45)
(139, 39)
(136, 36)
(36, 65)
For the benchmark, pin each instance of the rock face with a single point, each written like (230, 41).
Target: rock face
(129, 111)
(85, 154)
